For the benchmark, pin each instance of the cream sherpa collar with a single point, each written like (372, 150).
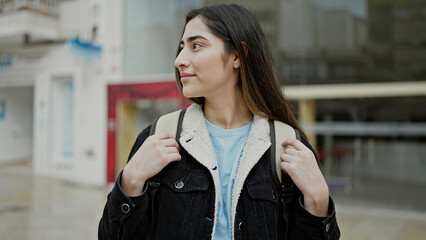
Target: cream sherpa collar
(196, 141)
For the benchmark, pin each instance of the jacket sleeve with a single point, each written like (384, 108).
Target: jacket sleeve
(308, 226)
(125, 217)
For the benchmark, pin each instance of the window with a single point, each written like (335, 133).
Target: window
(62, 117)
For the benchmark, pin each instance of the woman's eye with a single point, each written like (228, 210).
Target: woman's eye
(196, 45)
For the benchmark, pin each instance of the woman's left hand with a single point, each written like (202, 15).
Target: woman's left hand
(299, 162)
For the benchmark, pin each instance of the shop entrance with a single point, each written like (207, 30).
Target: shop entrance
(131, 108)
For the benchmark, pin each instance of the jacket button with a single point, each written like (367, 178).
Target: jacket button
(327, 227)
(274, 195)
(241, 226)
(179, 184)
(125, 208)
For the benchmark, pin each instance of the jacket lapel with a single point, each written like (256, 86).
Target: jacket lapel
(195, 140)
(257, 144)
(195, 137)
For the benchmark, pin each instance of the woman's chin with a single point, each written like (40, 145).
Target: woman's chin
(189, 94)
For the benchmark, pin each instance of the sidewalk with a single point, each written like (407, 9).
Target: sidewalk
(40, 208)
(368, 223)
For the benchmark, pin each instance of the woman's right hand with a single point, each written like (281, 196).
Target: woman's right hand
(156, 152)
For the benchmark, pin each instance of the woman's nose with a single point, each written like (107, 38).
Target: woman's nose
(181, 60)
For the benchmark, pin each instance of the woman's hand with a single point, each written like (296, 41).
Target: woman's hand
(300, 164)
(155, 153)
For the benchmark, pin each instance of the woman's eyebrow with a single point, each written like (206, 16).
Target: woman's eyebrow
(192, 38)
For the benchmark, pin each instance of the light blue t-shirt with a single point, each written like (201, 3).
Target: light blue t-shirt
(228, 145)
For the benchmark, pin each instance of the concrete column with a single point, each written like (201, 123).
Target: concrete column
(307, 113)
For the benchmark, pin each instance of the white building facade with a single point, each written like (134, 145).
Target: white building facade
(55, 59)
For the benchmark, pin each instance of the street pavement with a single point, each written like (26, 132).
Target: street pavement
(42, 208)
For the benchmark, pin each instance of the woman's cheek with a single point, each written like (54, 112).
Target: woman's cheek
(205, 65)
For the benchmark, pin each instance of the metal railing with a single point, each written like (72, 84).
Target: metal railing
(396, 161)
(49, 7)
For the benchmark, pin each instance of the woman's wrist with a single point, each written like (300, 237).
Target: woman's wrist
(317, 203)
(132, 186)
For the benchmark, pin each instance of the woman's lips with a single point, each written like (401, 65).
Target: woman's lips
(185, 77)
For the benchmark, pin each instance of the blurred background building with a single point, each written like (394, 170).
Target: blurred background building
(79, 79)
(54, 57)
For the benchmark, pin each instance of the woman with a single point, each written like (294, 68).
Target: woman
(216, 179)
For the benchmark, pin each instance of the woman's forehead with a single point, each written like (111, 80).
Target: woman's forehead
(195, 26)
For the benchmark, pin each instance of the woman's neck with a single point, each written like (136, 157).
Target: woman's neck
(227, 113)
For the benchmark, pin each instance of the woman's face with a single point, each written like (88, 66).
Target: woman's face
(205, 69)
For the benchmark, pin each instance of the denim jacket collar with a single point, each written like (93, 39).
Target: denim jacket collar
(196, 141)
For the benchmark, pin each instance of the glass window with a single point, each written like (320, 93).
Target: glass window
(152, 30)
(62, 117)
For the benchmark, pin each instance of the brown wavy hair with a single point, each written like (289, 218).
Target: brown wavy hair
(241, 32)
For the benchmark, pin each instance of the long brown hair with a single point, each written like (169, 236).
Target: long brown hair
(241, 32)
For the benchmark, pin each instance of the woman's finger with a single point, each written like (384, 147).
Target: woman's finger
(173, 157)
(298, 145)
(284, 166)
(170, 142)
(288, 158)
(163, 135)
(170, 150)
(291, 151)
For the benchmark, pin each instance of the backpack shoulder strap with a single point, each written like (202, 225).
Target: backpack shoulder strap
(170, 123)
(279, 132)
(282, 131)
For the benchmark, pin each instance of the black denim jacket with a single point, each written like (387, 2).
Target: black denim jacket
(184, 207)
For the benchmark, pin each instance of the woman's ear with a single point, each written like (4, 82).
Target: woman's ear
(236, 62)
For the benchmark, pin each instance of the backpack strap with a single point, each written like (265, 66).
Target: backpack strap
(172, 124)
(279, 132)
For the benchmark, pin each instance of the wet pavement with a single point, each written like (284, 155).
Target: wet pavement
(41, 208)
